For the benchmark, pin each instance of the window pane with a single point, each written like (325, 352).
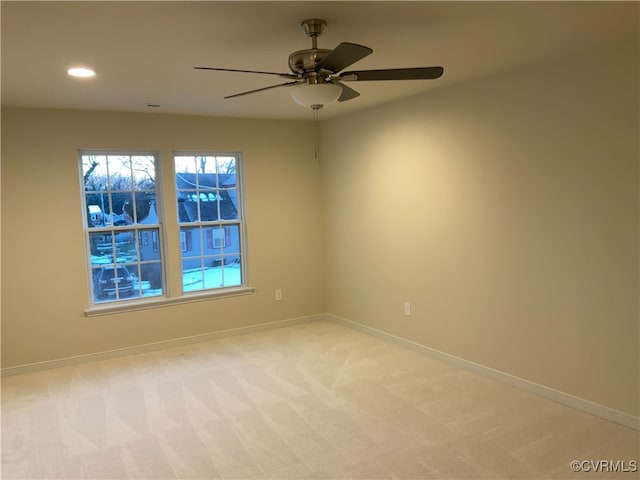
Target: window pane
(101, 248)
(187, 206)
(94, 172)
(222, 272)
(119, 167)
(144, 172)
(226, 165)
(208, 209)
(185, 164)
(192, 274)
(95, 209)
(121, 208)
(228, 204)
(213, 273)
(232, 271)
(144, 211)
(227, 173)
(112, 283)
(149, 244)
(126, 251)
(207, 181)
(150, 282)
(206, 165)
(231, 239)
(190, 244)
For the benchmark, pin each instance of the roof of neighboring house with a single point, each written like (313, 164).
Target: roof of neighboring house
(189, 181)
(207, 196)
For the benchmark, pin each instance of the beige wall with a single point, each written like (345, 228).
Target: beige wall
(506, 211)
(44, 276)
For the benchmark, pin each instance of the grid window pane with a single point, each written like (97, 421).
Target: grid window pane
(119, 169)
(120, 200)
(125, 246)
(101, 247)
(112, 282)
(143, 172)
(149, 282)
(209, 201)
(229, 204)
(192, 275)
(208, 207)
(232, 271)
(149, 244)
(231, 239)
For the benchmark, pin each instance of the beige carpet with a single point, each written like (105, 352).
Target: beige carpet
(315, 400)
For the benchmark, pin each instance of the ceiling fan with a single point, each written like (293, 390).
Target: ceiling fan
(317, 73)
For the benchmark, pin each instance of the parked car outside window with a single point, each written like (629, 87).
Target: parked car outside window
(107, 282)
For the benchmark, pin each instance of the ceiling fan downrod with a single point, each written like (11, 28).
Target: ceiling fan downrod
(313, 28)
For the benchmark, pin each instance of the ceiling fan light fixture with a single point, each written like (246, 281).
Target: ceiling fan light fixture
(316, 95)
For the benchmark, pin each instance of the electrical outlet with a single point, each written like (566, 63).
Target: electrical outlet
(407, 309)
(278, 294)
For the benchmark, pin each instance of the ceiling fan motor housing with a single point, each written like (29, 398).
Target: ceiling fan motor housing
(304, 61)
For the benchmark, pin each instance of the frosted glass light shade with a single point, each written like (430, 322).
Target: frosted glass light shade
(309, 95)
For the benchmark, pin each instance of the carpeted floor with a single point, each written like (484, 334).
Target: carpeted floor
(310, 401)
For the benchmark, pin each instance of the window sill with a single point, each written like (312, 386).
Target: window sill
(120, 307)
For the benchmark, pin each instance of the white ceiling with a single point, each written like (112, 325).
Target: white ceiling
(143, 52)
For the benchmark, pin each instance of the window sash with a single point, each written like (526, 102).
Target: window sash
(210, 213)
(120, 197)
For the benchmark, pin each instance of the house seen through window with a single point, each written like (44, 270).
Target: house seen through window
(122, 225)
(211, 221)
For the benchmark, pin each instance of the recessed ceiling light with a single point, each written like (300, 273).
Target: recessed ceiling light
(81, 72)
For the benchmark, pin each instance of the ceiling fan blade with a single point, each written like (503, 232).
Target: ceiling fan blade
(421, 73)
(342, 56)
(283, 75)
(264, 88)
(347, 92)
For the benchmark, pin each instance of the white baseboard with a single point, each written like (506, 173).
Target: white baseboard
(150, 347)
(578, 403)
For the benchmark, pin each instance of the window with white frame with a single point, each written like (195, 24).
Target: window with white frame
(209, 197)
(123, 228)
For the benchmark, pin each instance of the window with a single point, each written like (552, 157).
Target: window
(211, 221)
(120, 201)
(125, 251)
